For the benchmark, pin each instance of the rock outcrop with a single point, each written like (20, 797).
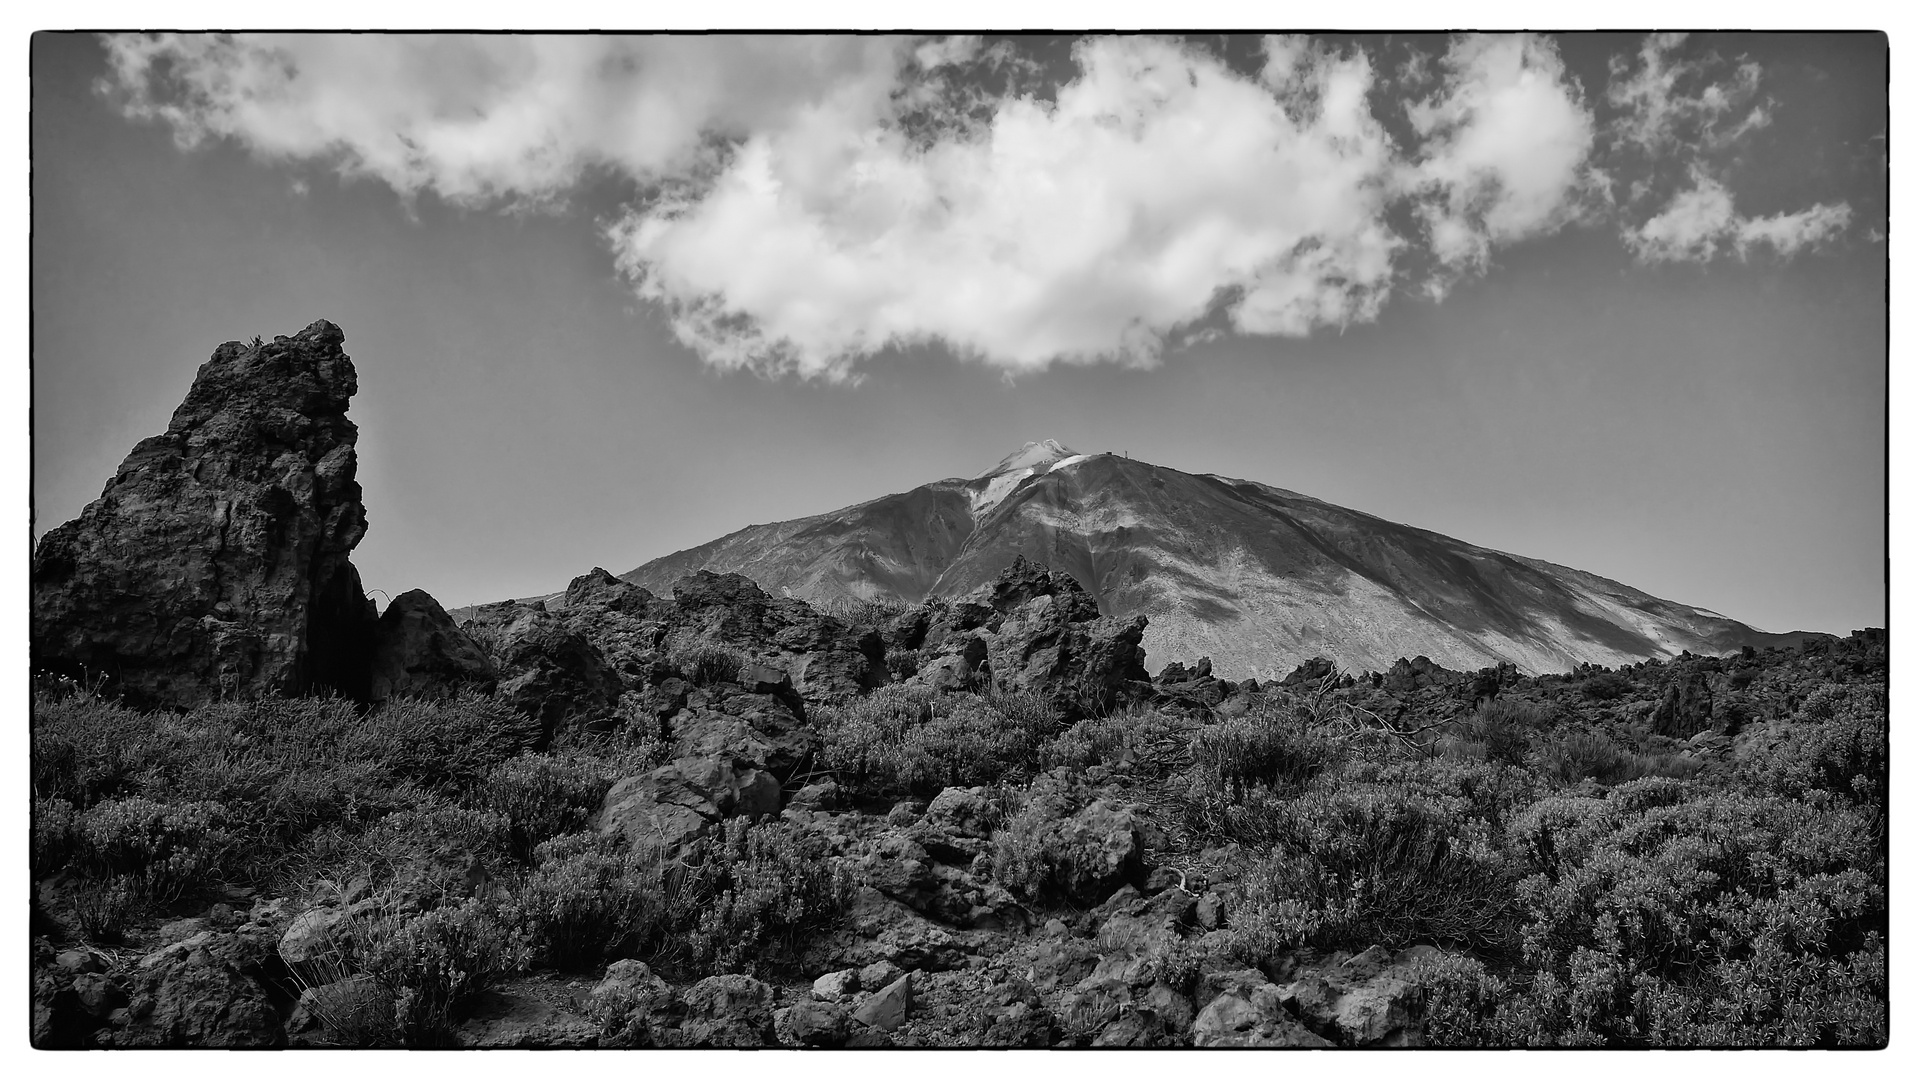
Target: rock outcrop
(1034, 631)
(215, 562)
(419, 652)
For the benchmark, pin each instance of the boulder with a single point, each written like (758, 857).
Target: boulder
(682, 801)
(886, 1009)
(551, 672)
(215, 562)
(418, 651)
(1372, 999)
(210, 991)
(728, 1011)
(812, 1024)
(1251, 1016)
(1092, 853)
(600, 590)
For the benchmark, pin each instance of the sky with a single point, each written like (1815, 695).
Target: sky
(1615, 301)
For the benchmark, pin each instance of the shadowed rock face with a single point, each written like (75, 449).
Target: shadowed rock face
(216, 560)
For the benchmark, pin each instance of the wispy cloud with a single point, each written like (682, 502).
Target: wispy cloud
(1700, 223)
(800, 204)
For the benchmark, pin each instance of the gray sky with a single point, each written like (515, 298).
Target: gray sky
(1613, 303)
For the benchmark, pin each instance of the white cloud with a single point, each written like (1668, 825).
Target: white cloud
(1506, 140)
(803, 203)
(1700, 222)
(482, 118)
(1157, 187)
(1691, 228)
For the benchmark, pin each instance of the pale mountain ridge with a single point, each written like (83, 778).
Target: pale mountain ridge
(1257, 577)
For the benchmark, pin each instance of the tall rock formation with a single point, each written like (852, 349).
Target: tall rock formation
(216, 560)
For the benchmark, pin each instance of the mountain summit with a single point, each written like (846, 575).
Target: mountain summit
(1256, 577)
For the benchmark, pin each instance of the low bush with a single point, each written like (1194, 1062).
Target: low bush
(1674, 918)
(590, 900)
(434, 965)
(742, 901)
(160, 850)
(1506, 727)
(1581, 755)
(546, 795)
(1839, 752)
(1606, 687)
(764, 891)
(1265, 748)
(900, 741)
(1138, 734)
(863, 615)
(1365, 865)
(703, 662)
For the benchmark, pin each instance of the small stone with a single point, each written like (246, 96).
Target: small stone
(77, 961)
(837, 985)
(905, 812)
(1210, 912)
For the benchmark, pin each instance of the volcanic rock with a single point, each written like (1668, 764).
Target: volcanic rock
(553, 673)
(215, 562)
(419, 652)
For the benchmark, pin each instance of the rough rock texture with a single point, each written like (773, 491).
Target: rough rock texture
(553, 673)
(216, 559)
(419, 652)
(1371, 999)
(1035, 631)
(727, 1011)
(210, 990)
(1251, 1016)
(677, 803)
(824, 658)
(1685, 708)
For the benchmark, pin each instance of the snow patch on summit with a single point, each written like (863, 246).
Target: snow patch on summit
(1033, 459)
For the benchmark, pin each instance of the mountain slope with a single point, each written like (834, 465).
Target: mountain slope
(1254, 576)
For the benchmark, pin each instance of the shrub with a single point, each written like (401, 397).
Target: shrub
(1726, 919)
(1843, 755)
(543, 796)
(430, 854)
(1367, 865)
(1585, 755)
(904, 741)
(1139, 733)
(1027, 855)
(449, 746)
(1506, 727)
(703, 662)
(162, 851)
(434, 965)
(1264, 748)
(864, 615)
(56, 835)
(771, 889)
(591, 900)
(1606, 687)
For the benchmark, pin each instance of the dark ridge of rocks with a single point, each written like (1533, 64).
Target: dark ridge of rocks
(215, 562)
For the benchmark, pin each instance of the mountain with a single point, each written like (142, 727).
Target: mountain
(1256, 577)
